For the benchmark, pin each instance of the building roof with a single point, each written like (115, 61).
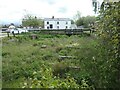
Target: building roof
(11, 27)
(57, 19)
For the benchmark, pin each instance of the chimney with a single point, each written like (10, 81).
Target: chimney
(52, 17)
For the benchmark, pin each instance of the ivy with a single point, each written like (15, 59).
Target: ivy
(108, 32)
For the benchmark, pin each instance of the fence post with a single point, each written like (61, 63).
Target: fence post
(13, 33)
(8, 34)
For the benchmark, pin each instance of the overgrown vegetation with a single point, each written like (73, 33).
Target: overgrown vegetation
(32, 21)
(86, 22)
(108, 32)
(47, 62)
(59, 61)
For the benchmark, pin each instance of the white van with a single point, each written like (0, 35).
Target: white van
(17, 30)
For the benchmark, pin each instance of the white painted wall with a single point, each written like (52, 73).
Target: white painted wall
(62, 24)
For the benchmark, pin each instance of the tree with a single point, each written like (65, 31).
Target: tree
(86, 21)
(80, 21)
(32, 21)
(4, 26)
(95, 5)
(77, 16)
(108, 33)
(89, 21)
(72, 22)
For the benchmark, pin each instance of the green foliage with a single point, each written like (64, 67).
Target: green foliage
(80, 21)
(32, 21)
(95, 5)
(86, 21)
(45, 79)
(29, 63)
(4, 26)
(60, 69)
(108, 31)
(32, 66)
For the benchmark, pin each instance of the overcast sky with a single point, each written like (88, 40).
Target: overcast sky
(12, 11)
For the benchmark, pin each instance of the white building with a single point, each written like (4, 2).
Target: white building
(57, 23)
(73, 26)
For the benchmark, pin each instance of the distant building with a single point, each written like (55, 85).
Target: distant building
(57, 23)
(12, 26)
(80, 27)
(73, 26)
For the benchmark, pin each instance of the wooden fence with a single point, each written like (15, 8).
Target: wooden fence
(66, 31)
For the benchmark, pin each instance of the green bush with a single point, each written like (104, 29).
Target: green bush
(108, 62)
(39, 67)
(47, 80)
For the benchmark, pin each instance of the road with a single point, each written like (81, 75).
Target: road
(3, 35)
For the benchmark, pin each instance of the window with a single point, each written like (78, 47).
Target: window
(57, 27)
(51, 26)
(47, 27)
(57, 22)
(66, 27)
(47, 22)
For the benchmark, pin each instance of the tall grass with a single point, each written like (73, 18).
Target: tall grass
(22, 56)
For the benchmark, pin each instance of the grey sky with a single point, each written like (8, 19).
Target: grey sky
(62, 10)
(14, 10)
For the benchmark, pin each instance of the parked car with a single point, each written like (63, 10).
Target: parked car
(17, 30)
(4, 29)
(22, 30)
